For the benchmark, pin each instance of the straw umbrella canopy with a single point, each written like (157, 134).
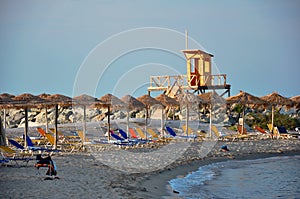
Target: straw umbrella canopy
(27, 101)
(56, 100)
(274, 99)
(112, 102)
(167, 102)
(244, 99)
(296, 100)
(131, 103)
(212, 98)
(187, 100)
(86, 100)
(148, 101)
(4, 99)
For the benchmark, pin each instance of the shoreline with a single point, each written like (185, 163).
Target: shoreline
(162, 189)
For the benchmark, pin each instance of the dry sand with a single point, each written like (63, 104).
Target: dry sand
(81, 175)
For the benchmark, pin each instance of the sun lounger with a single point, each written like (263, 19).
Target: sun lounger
(187, 129)
(123, 134)
(16, 144)
(132, 133)
(152, 133)
(141, 133)
(260, 130)
(170, 131)
(41, 131)
(84, 140)
(221, 136)
(36, 148)
(192, 133)
(279, 132)
(60, 134)
(283, 133)
(65, 144)
(3, 160)
(174, 134)
(116, 137)
(122, 141)
(10, 154)
(265, 133)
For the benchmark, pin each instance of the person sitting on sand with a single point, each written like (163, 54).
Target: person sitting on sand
(46, 162)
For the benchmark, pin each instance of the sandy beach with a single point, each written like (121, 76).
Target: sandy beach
(81, 175)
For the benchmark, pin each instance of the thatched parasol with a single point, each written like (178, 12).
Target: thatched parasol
(56, 100)
(29, 101)
(167, 101)
(86, 100)
(131, 103)
(112, 102)
(187, 100)
(26, 101)
(244, 99)
(274, 99)
(148, 101)
(212, 98)
(296, 100)
(5, 99)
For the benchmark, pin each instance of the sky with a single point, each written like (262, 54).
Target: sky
(113, 46)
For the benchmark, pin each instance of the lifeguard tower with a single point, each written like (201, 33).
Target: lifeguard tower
(199, 76)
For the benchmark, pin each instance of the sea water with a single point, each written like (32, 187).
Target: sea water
(275, 177)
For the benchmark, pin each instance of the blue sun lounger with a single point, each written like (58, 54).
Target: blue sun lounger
(36, 148)
(16, 144)
(123, 134)
(170, 131)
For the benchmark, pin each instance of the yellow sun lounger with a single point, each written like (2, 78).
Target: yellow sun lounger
(141, 133)
(84, 140)
(152, 133)
(10, 154)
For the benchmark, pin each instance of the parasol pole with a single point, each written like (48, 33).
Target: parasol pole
(4, 118)
(127, 128)
(243, 114)
(273, 109)
(146, 122)
(55, 126)
(46, 117)
(26, 127)
(210, 120)
(162, 121)
(84, 124)
(187, 120)
(108, 120)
